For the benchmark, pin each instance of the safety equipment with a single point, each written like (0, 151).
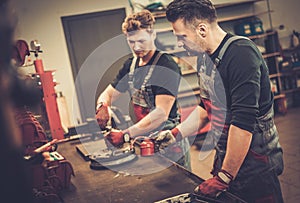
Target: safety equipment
(103, 115)
(165, 138)
(142, 100)
(117, 137)
(216, 185)
(212, 187)
(168, 137)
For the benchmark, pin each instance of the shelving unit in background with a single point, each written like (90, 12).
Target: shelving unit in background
(231, 14)
(290, 75)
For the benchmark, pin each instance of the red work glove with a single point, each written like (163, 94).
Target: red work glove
(102, 115)
(117, 137)
(216, 185)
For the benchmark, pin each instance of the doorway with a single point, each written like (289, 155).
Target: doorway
(84, 34)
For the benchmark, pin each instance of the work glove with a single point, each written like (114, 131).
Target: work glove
(215, 186)
(168, 137)
(117, 137)
(103, 115)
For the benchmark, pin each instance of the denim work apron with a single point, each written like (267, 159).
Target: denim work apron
(143, 101)
(264, 158)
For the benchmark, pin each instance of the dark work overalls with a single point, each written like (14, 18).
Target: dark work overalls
(257, 179)
(143, 101)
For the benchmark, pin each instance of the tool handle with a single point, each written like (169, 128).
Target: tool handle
(45, 146)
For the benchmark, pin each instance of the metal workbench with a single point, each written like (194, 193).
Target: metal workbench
(147, 179)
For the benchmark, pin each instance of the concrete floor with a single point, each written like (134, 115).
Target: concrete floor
(289, 132)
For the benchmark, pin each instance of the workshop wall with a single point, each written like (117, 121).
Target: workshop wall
(41, 20)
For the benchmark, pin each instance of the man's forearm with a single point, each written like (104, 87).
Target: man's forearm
(194, 122)
(238, 145)
(108, 96)
(150, 122)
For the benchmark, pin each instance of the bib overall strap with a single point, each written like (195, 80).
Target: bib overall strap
(130, 75)
(151, 70)
(225, 46)
(132, 68)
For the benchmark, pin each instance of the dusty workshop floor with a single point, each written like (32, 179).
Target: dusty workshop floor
(289, 132)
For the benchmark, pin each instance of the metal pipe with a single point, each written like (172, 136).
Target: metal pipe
(270, 17)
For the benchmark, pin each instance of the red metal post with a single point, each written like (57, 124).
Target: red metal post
(50, 100)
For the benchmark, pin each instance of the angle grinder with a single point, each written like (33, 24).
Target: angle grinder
(147, 144)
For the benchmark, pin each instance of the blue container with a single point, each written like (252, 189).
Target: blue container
(243, 28)
(257, 26)
(249, 27)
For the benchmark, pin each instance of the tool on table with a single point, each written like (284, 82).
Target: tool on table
(99, 158)
(189, 198)
(147, 144)
(88, 129)
(49, 146)
(197, 198)
(111, 157)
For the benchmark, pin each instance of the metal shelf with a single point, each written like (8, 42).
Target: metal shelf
(232, 18)
(279, 96)
(164, 30)
(262, 35)
(235, 3)
(291, 90)
(225, 19)
(162, 14)
(287, 73)
(181, 52)
(274, 75)
(271, 55)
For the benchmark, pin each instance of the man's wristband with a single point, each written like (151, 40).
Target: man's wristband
(100, 104)
(126, 136)
(225, 176)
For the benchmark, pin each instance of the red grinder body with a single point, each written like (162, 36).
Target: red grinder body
(147, 147)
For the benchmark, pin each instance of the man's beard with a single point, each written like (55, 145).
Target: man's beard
(196, 49)
(191, 52)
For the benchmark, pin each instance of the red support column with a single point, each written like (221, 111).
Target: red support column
(50, 100)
